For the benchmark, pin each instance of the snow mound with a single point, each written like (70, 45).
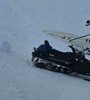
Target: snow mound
(5, 46)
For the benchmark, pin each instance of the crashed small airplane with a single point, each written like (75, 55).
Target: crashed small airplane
(81, 43)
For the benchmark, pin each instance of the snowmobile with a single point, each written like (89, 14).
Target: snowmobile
(63, 62)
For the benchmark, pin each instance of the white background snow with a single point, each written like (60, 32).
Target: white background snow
(21, 25)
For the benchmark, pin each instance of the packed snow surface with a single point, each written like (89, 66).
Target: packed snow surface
(21, 25)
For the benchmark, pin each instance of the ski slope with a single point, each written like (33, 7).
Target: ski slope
(21, 23)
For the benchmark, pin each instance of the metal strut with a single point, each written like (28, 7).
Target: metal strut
(79, 37)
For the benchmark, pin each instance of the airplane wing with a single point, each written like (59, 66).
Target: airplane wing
(80, 42)
(66, 37)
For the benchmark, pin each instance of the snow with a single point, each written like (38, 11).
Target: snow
(5, 46)
(21, 25)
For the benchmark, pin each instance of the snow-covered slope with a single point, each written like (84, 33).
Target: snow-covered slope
(21, 82)
(21, 23)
